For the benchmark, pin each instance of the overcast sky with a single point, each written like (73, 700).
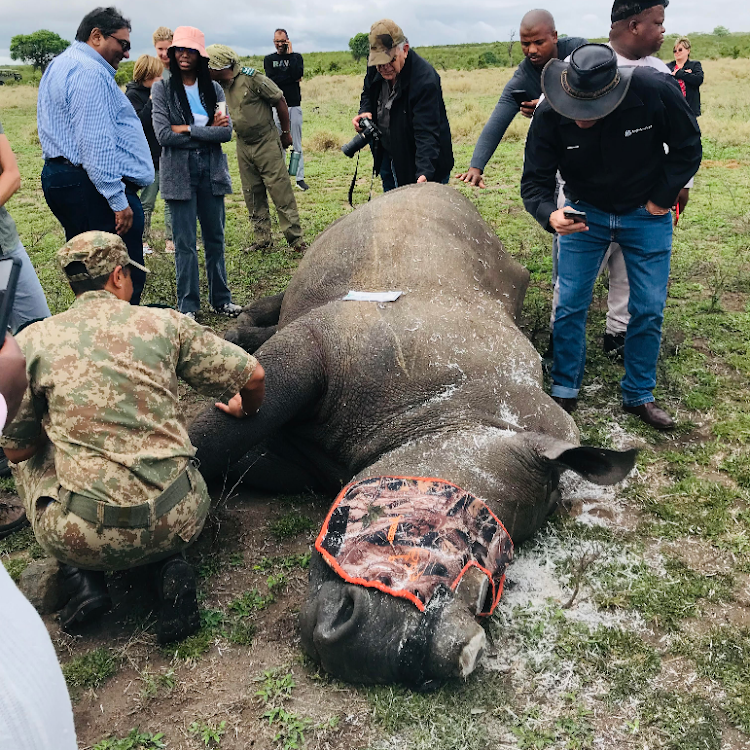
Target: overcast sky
(318, 25)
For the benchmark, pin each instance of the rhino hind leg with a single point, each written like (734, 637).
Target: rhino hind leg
(265, 312)
(257, 323)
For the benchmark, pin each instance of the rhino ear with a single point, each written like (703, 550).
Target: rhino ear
(597, 465)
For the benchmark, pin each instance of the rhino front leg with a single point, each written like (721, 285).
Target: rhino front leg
(295, 380)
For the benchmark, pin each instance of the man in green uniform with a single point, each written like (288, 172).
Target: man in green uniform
(250, 98)
(102, 459)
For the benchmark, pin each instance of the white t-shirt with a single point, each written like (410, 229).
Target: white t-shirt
(35, 710)
(3, 412)
(200, 116)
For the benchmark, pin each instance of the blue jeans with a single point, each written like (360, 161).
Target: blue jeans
(646, 243)
(80, 207)
(148, 199)
(209, 210)
(30, 303)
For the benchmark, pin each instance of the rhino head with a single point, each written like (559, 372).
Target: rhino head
(364, 635)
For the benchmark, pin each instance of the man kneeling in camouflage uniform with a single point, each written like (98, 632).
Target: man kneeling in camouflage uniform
(103, 462)
(260, 155)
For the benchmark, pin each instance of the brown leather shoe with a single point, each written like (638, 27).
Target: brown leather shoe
(652, 415)
(569, 404)
(12, 516)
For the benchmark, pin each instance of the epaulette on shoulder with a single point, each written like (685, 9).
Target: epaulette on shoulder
(248, 71)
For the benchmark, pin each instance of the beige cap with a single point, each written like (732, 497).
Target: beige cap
(220, 57)
(384, 36)
(100, 253)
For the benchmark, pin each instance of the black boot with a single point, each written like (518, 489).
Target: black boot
(88, 596)
(175, 581)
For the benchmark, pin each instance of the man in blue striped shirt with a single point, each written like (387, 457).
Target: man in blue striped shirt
(96, 155)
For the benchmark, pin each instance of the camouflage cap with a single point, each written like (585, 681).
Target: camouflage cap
(384, 36)
(100, 253)
(220, 57)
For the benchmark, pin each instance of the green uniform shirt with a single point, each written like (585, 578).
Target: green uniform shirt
(250, 96)
(103, 384)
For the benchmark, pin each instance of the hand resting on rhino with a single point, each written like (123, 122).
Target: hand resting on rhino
(439, 384)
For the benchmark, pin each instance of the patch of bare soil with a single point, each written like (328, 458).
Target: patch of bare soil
(221, 684)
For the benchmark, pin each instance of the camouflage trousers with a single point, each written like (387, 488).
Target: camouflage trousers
(75, 541)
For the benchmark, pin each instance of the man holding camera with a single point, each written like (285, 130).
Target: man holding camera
(403, 98)
(286, 68)
(604, 129)
(104, 462)
(252, 99)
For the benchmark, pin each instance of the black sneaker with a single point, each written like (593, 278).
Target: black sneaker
(175, 579)
(302, 185)
(614, 345)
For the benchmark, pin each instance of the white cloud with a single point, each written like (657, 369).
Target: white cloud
(248, 25)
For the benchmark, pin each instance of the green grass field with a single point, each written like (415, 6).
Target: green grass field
(628, 624)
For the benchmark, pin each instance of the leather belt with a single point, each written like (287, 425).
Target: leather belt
(63, 160)
(141, 516)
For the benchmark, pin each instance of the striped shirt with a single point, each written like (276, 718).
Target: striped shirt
(83, 116)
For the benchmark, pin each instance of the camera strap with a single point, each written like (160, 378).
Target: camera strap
(354, 182)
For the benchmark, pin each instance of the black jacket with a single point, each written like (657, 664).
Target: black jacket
(692, 81)
(140, 97)
(420, 135)
(619, 164)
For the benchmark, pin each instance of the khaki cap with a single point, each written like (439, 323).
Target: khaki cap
(220, 57)
(384, 36)
(100, 253)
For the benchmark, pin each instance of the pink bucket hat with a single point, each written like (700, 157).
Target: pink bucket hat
(190, 37)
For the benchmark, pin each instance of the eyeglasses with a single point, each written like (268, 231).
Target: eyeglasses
(124, 43)
(185, 50)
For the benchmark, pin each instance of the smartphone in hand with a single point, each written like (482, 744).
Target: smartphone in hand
(575, 215)
(10, 270)
(520, 95)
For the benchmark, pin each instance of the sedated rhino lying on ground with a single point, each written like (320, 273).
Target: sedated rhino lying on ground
(439, 384)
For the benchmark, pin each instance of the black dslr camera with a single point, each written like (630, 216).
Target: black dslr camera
(369, 134)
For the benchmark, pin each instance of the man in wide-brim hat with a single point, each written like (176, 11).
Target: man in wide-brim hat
(604, 128)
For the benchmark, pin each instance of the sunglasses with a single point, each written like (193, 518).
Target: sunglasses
(185, 50)
(124, 43)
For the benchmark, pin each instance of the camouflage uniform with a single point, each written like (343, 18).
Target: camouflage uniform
(103, 386)
(250, 96)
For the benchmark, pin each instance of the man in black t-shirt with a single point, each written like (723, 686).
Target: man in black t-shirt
(286, 68)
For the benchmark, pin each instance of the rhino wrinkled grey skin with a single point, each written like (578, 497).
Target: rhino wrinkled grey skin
(440, 383)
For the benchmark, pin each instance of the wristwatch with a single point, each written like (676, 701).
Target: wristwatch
(285, 132)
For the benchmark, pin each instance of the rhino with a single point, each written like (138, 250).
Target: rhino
(440, 383)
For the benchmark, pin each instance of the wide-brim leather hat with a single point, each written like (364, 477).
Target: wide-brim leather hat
(588, 87)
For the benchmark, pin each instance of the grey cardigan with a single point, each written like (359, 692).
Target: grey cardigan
(174, 166)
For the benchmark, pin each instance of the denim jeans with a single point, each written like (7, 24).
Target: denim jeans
(80, 207)
(148, 199)
(209, 210)
(30, 303)
(646, 243)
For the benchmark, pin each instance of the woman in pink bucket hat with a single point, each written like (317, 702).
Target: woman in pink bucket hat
(190, 122)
